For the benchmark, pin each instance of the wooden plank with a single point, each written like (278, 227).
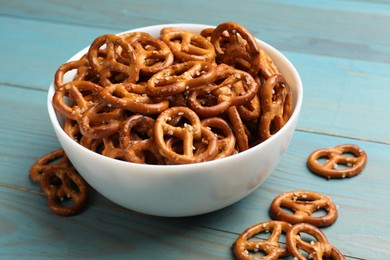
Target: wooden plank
(37, 49)
(30, 231)
(25, 133)
(274, 21)
(344, 97)
(361, 229)
(350, 6)
(350, 230)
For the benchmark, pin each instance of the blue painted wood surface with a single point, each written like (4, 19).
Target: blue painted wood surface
(342, 51)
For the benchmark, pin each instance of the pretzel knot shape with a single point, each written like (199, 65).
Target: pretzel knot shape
(119, 59)
(74, 98)
(270, 247)
(188, 133)
(235, 46)
(152, 53)
(317, 250)
(52, 160)
(226, 138)
(135, 148)
(276, 105)
(101, 120)
(180, 77)
(231, 87)
(187, 46)
(60, 184)
(336, 156)
(131, 97)
(81, 64)
(303, 204)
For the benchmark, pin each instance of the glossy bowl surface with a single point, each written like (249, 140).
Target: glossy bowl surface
(183, 190)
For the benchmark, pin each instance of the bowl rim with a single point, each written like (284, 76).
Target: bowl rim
(193, 166)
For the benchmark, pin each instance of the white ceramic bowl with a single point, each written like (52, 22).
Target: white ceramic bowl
(183, 190)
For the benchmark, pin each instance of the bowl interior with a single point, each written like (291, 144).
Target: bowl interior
(189, 189)
(284, 65)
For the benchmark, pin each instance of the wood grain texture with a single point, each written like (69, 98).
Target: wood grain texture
(37, 49)
(358, 198)
(342, 52)
(344, 97)
(29, 230)
(329, 28)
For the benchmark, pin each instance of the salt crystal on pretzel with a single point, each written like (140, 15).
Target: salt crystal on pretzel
(303, 204)
(236, 46)
(338, 156)
(179, 77)
(271, 247)
(187, 134)
(118, 63)
(320, 247)
(187, 46)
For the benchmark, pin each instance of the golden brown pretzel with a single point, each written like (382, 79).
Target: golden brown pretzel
(128, 96)
(231, 87)
(238, 129)
(336, 156)
(119, 59)
(276, 106)
(187, 46)
(80, 94)
(317, 250)
(270, 247)
(60, 181)
(54, 159)
(60, 184)
(101, 120)
(135, 148)
(146, 75)
(180, 77)
(206, 103)
(206, 33)
(188, 133)
(226, 138)
(243, 87)
(236, 46)
(81, 65)
(267, 66)
(152, 53)
(303, 204)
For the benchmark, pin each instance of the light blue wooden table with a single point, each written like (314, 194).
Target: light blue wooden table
(342, 51)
